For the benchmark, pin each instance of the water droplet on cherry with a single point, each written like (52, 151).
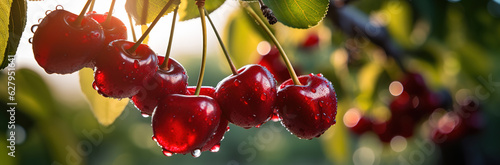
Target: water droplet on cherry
(215, 148)
(196, 153)
(227, 129)
(263, 96)
(144, 115)
(236, 82)
(136, 64)
(167, 153)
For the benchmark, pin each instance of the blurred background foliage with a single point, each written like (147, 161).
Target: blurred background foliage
(453, 44)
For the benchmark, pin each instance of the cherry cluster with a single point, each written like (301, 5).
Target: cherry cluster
(184, 120)
(415, 102)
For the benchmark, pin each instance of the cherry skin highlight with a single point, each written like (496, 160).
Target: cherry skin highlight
(162, 83)
(183, 123)
(307, 110)
(248, 98)
(121, 74)
(60, 46)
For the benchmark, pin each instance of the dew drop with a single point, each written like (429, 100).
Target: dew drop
(275, 117)
(48, 12)
(59, 7)
(215, 148)
(236, 82)
(154, 138)
(319, 74)
(263, 96)
(94, 85)
(136, 64)
(311, 74)
(30, 40)
(144, 115)
(313, 90)
(258, 126)
(33, 28)
(227, 129)
(196, 153)
(167, 153)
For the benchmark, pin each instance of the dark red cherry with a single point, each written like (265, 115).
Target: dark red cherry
(307, 110)
(213, 144)
(121, 74)
(311, 41)
(61, 46)
(356, 122)
(185, 123)
(450, 127)
(204, 90)
(273, 62)
(114, 30)
(397, 125)
(414, 84)
(248, 98)
(162, 83)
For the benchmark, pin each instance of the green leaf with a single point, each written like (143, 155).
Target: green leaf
(189, 9)
(106, 110)
(153, 7)
(300, 14)
(12, 22)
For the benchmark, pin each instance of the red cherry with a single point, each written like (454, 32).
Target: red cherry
(402, 125)
(450, 128)
(311, 41)
(121, 74)
(356, 122)
(247, 99)
(214, 143)
(204, 90)
(307, 110)
(414, 84)
(164, 82)
(62, 47)
(114, 30)
(184, 124)
(273, 62)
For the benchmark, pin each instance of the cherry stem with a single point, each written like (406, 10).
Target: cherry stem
(164, 66)
(79, 19)
(201, 4)
(228, 58)
(132, 27)
(145, 34)
(110, 14)
(91, 8)
(261, 23)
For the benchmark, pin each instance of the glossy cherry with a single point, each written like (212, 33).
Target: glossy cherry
(114, 30)
(248, 98)
(162, 83)
(213, 144)
(307, 110)
(61, 46)
(121, 74)
(185, 123)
